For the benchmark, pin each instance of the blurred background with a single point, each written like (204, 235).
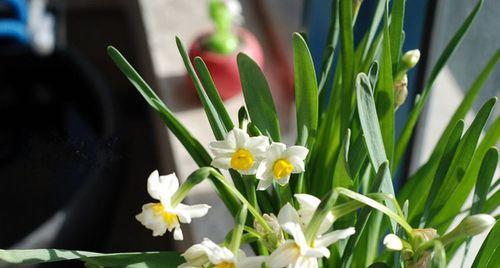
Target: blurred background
(77, 142)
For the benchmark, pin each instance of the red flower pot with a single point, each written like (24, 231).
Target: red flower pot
(224, 68)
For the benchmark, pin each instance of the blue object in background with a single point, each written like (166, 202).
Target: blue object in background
(317, 15)
(15, 28)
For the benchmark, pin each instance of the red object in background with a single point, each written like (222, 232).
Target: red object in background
(224, 68)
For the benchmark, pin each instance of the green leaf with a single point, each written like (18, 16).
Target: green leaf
(212, 93)
(130, 259)
(372, 134)
(439, 255)
(461, 162)
(215, 121)
(347, 51)
(420, 102)
(489, 254)
(192, 145)
(377, 18)
(484, 179)
(437, 183)
(467, 102)
(306, 91)
(258, 98)
(341, 176)
(384, 92)
(396, 30)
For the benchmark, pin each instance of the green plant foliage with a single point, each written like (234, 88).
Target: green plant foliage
(346, 120)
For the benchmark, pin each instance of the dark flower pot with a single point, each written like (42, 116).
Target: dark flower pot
(224, 68)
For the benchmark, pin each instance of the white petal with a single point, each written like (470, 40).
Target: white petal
(251, 262)
(296, 151)
(178, 234)
(162, 187)
(393, 242)
(151, 220)
(264, 170)
(222, 147)
(196, 255)
(307, 202)
(218, 254)
(221, 162)
(240, 136)
(276, 151)
(305, 262)
(288, 214)
(258, 145)
(190, 212)
(298, 164)
(284, 255)
(298, 236)
(317, 252)
(332, 237)
(326, 224)
(264, 184)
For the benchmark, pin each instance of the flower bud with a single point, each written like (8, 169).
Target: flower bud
(273, 239)
(410, 58)
(400, 91)
(470, 226)
(393, 242)
(476, 224)
(423, 235)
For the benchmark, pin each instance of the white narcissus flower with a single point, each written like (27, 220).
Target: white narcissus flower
(297, 252)
(239, 151)
(279, 163)
(162, 216)
(207, 252)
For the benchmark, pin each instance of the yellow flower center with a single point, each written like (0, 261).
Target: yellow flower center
(282, 168)
(225, 265)
(242, 160)
(170, 218)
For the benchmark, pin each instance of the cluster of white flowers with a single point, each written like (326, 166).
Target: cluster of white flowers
(293, 253)
(269, 162)
(255, 156)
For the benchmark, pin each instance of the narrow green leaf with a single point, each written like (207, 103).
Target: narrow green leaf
(192, 145)
(462, 157)
(377, 18)
(457, 198)
(320, 214)
(484, 179)
(213, 117)
(347, 51)
(384, 92)
(306, 91)
(437, 183)
(212, 93)
(439, 255)
(237, 233)
(372, 134)
(341, 176)
(258, 98)
(419, 104)
(328, 53)
(489, 254)
(464, 106)
(129, 259)
(396, 29)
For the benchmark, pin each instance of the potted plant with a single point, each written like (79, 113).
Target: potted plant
(219, 47)
(328, 200)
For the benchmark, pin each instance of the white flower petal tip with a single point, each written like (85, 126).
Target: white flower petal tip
(239, 151)
(393, 242)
